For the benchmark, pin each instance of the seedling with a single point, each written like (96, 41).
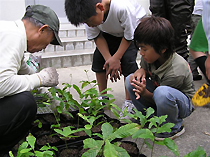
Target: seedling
(67, 133)
(105, 146)
(155, 126)
(27, 149)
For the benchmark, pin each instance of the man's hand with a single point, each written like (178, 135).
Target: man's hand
(207, 65)
(48, 77)
(113, 68)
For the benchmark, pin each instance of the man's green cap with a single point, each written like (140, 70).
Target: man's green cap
(47, 16)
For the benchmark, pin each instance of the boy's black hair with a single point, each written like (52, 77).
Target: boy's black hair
(78, 11)
(156, 32)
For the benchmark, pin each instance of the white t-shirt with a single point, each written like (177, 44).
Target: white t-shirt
(13, 44)
(206, 20)
(122, 19)
(198, 8)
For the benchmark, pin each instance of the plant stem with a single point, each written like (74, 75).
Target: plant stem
(142, 145)
(152, 147)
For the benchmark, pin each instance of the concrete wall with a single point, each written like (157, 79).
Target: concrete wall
(12, 9)
(15, 9)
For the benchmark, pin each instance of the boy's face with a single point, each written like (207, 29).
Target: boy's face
(97, 19)
(148, 53)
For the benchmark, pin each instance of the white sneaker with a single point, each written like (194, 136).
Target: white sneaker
(128, 104)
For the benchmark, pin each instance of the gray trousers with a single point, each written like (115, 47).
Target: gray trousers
(178, 12)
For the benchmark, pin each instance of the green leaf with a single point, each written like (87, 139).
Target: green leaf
(171, 145)
(39, 123)
(91, 120)
(154, 121)
(121, 152)
(48, 153)
(11, 154)
(84, 84)
(31, 140)
(116, 107)
(115, 113)
(165, 128)
(91, 143)
(107, 129)
(23, 151)
(109, 150)
(59, 109)
(124, 131)
(160, 143)
(199, 152)
(105, 90)
(94, 81)
(95, 147)
(67, 132)
(149, 112)
(148, 144)
(24, 145)
(77, 89)
(83, 117)
(98, 134)
(55, 126)
(109, 95)
(52, 91)
(144, 133)
(64, 132)
(45, 147)
(39, 154)
(88, 132)
(88, 127)
(162, 119)
(91, 153)
(54, 148)
(142, 118)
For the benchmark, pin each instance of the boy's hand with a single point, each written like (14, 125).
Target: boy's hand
(113, 68)
(138, 75)
(139, 87)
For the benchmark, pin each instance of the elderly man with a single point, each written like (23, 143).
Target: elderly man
(38, 28)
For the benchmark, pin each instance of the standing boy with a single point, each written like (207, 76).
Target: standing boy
(178, 12)
(164, 80)
(200, 42)
(111, 24)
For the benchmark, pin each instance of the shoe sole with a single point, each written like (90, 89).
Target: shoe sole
(172, 137)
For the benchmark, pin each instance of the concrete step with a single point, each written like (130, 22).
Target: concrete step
(73, 38)
(77, 50)
(65, 59)
(70, 31)
(74, 43)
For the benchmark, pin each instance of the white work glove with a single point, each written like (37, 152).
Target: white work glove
(48, 77)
